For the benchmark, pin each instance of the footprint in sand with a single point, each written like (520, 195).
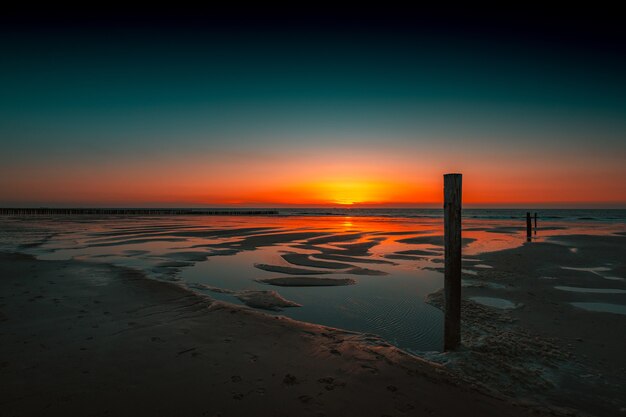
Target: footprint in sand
(290, 380)
(305, 399)
(370, 368)
(331, 383)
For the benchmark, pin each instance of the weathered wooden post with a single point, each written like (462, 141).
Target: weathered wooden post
(528, 226)
(452, 276)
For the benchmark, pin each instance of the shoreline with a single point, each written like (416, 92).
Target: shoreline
(121, 343)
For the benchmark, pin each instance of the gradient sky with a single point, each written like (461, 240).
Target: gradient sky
(209, 111)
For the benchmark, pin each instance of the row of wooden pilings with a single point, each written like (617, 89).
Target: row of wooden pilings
(126, 212)
(529, 228)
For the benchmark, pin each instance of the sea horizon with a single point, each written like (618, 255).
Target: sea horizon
(565, 214)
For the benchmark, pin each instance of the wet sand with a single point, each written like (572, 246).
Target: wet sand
(307, 282)
(545, 347)
(92, 339)
(96, 329)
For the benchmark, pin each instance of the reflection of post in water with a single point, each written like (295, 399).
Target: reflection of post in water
(535, 223)
(528, 226)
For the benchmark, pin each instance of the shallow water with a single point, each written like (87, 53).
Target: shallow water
(396, 262)
(602, 307)
(482, 284)
(591, 290)
(494, 302)
(601, 271)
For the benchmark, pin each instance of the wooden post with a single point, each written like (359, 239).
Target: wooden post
(452, 276)
(528, 226)
(535, 222)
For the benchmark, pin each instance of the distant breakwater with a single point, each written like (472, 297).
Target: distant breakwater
(130, 212)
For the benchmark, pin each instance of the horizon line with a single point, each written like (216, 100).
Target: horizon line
(618, 206)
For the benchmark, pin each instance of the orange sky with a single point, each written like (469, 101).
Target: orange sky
(366, 177)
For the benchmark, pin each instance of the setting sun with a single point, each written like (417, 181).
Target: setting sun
(348, 192)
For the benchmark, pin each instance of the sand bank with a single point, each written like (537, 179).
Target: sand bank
(307, 281)
(91, 339)
(265, 300)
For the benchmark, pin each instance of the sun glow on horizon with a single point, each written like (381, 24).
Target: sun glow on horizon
(365, 179)
(350, 192)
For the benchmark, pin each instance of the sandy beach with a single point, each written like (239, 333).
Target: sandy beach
(113, 326)
(85, 339)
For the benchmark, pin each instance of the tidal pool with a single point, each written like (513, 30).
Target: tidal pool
(602, 307)
(494, 302)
